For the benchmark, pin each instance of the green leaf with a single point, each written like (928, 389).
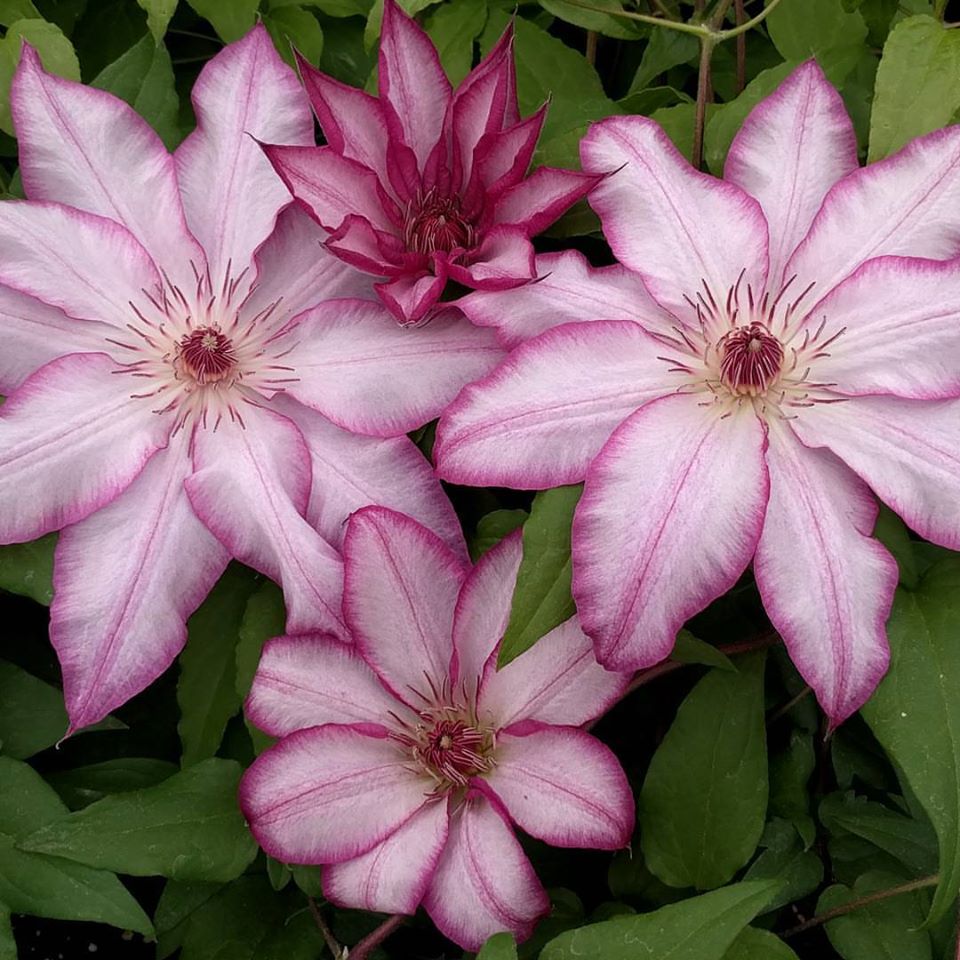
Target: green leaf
(891, 531)
(886, 930)
(915, 712)
(188, 828)
(332, 8)
(159, 13)
(678, 124)
(492, 528)
(501, 946)
(178, 902)
(918, 84)
(784, 858)
(453, 27)
(8, 946)
(248, 920)
(143, 76)
(703, 802)
(13, 10)
(666, 49)
(230, 18)
(56, 54)
(207, 689)
(542, 600)
(701, 928)
(27, 568)
(82, 786)
(278, 874)
(46, 886)
(606, 23)
(755, 944)
(307, 879)
(821, 29)
(293, 27)
(790, 772)
(688, 649)
(33, 716)
(264, 617)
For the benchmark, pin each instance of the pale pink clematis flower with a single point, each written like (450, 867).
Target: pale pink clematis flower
(406, 755)
(768, 353)
(170, 404)
(426, 184)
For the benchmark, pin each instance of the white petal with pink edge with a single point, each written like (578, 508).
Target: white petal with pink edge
(564, 786)
(826, 585)
(350, 471)
(674, 226)
(792, 148)
(71, 440)
(900, 319)
(116, 633)
(669, 519)
(908, 451)
(483, 610)
(307, 681)
(88, 266)
(567, 290)
(329, 794)
(542, 416)
(394, 875)
(91, 150)
(558, 680)
(34, 333)
(484, 883)
(368, 374)
(907, 205)
(231, 195)
(400, 590)
(250, 488)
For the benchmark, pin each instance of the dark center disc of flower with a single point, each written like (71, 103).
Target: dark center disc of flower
(454, 751)
(435, 223)
(750, 359)
(207, 355)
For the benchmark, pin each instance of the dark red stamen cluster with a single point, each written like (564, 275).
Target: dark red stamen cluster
(435, 223)
(453, 751)
(206, 355)
(750, 359)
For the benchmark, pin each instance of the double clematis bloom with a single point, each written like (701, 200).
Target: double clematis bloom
(769, 352)
(406, 755)
(424, 185)
(170, 402)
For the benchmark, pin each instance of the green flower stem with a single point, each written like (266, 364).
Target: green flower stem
(921, 884)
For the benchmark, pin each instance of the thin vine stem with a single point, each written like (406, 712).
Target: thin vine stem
(864, 901)
(331, 941)
(373, 940)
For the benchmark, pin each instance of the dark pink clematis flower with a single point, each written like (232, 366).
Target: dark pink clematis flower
(426, 184)
(182, 388)
(770, 352)
(406, 755)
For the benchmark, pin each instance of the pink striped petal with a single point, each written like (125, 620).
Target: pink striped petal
(502, 158)
(908, 451)
(89, 149)
(368, 374)
(399, 593)
(567, 290)
(35, 333)
(483, 610)
(505, 259)
(816, 546)
(537, 201)
(558, 680)
(230, 193)
(411, 297)
(350, 471)
(542, 416)
(88, 266)
(562, 785)
(901, 329)
(414, 90)
(375, 251)
(669, 519)
(484, 883)
(71, 441)
(115, 632)
(907, 205)
(394, 875)
(308, 681)
(795, 145)
(329, 794)
(251, 488)
(352, 120)
(674, 226)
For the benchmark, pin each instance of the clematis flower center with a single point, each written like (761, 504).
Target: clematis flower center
(453, 751)
(206, 355)
(435, 223)
(750, 359)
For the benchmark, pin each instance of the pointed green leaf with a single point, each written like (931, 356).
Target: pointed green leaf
(454, 27)
(159, 14)
(230, 18)
(755, 944)
(33, 716)
(82, 786)
(500, 946)
(27, 568)
(492, 528)
(292, 27)
(701, 928)
(188, 828)
(915, 712)
(704, 799)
